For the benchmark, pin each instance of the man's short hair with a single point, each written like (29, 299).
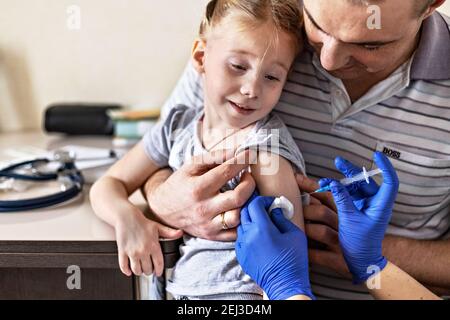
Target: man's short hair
(423, 5)
(420, 5)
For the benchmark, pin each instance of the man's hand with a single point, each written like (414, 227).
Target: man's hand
(321, 226)
(190, 199)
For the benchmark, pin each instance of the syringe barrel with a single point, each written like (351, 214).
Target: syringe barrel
(347, 181)
(360, 177)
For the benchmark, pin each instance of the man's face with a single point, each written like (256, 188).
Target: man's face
(348, 49)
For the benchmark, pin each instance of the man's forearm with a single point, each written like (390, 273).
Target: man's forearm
(396, 284)
(425, 260)
(149, 187)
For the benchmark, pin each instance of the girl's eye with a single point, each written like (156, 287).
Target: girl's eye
(238, 67)
(272, 78)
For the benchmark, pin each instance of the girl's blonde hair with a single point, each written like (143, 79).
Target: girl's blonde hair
(286, 15)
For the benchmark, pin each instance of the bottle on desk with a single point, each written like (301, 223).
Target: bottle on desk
(130, 126)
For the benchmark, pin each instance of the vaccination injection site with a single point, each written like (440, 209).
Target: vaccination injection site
(225, 150)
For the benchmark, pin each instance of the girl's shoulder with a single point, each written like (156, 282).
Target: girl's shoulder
(269, 122)
(181, 117)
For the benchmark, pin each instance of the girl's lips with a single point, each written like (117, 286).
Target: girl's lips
(241, 110)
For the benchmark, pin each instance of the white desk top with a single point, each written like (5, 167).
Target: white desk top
(72, 221)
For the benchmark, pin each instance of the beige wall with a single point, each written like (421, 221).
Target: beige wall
(127, 51)
(446, 8)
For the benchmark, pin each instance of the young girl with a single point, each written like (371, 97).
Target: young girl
(244, 53)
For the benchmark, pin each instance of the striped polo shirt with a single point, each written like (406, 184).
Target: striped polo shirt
(406, 116)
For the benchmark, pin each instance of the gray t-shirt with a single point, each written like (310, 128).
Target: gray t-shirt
(210, 267)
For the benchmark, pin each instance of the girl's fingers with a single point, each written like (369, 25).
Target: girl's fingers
(136, 266)
(157, 260)
(147, 265)
(168, 232)
(123, 264)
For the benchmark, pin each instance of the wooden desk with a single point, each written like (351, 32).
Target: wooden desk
(37, 247)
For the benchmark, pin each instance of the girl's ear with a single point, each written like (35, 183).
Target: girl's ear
(198, 55)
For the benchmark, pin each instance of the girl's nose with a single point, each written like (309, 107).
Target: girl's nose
(251, 87)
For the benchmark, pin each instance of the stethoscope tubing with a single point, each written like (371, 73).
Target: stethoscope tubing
(38, 203)
(45, 201)
(7, 172)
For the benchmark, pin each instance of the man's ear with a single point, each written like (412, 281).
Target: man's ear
(433, 8)
(198, 55)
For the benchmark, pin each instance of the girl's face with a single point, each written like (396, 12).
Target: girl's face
(244, 70)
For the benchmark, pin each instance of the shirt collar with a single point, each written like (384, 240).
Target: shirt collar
(431, 61)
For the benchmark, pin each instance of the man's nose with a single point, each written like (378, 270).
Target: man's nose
(333, 54)
(251, 87)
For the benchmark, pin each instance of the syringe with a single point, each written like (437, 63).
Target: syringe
(364, 175)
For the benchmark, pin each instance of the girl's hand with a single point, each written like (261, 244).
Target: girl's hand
(138, 244)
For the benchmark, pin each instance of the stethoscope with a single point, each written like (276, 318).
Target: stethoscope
(71, 178)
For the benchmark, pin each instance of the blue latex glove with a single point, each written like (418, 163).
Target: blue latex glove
(364, 212)
(272, 250)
